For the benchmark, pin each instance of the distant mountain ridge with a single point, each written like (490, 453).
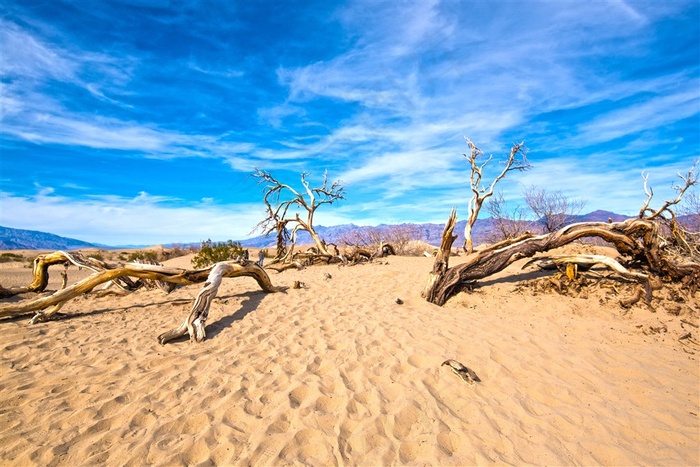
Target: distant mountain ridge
(18, 239)
(484, 230)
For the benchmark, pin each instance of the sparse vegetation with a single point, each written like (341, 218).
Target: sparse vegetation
(210, 253)
(401, 238)
(179, 250)
(143, 257)
(552, 209)
(11, 257)
(509, 223)
(97, 255)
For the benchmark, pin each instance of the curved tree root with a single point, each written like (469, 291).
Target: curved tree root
(195, 321)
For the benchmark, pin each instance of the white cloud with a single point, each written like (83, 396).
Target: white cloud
(224, 73)
(23, 55)
(630, 11)
(142, 220)
(652, 113)
(100, 133)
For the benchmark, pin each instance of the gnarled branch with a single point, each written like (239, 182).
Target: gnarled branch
(195, 322)
(637, 238)
(279, 215)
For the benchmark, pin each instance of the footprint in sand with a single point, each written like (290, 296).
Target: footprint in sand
(297, 396)
(281, 425)
(404, 421)
(196, 423)
(419, 361)
(328, 404)
(448, 442)
(410, 452)
(198, 454)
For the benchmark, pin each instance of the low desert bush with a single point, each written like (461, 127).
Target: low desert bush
(97, 255)
(399, 236)
(210, 253)
(10, 257)
(143, 256)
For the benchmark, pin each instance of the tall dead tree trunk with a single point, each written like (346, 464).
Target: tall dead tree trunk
(442, 259)
(480, 194)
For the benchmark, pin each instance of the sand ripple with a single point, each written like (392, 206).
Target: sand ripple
(339, 374)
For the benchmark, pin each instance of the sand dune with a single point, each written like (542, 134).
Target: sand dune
(338, 373)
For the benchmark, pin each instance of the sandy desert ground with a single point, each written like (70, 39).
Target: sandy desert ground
(339, 373)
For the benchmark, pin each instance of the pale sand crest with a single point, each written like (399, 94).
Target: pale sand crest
(338, 373)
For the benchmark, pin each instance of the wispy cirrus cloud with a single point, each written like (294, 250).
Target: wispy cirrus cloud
(28, 57)
(654, 112)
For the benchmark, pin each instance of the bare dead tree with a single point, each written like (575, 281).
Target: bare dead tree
(398, 237)
(690, 179)
(552, 209)
(509, 223)
(515, 161)
(639, 240)
(690, 211)
(364, 237)
(686, 241)
(283, 204)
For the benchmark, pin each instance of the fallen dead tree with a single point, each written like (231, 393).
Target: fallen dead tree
(359, 254)
(193, 324)
(41, 264)
(639, 240)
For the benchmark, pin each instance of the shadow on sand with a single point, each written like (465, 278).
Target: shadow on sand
(249, 303)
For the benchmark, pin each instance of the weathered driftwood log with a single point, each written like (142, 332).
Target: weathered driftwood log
(592, 260)
(213, 274)
(359, 254)
(442, 260)
(279, 267)
(41, 270)
(637, 239)
(195, 321)
(43, 262)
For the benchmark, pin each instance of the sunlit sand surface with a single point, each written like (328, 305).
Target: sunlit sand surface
(339, 373)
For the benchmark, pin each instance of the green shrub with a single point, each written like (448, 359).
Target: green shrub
(97, 255)
(210, 253)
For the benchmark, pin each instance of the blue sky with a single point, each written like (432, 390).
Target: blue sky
(139, 122)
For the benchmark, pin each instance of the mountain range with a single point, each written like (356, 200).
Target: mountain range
(19, 239)
(484, 229)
